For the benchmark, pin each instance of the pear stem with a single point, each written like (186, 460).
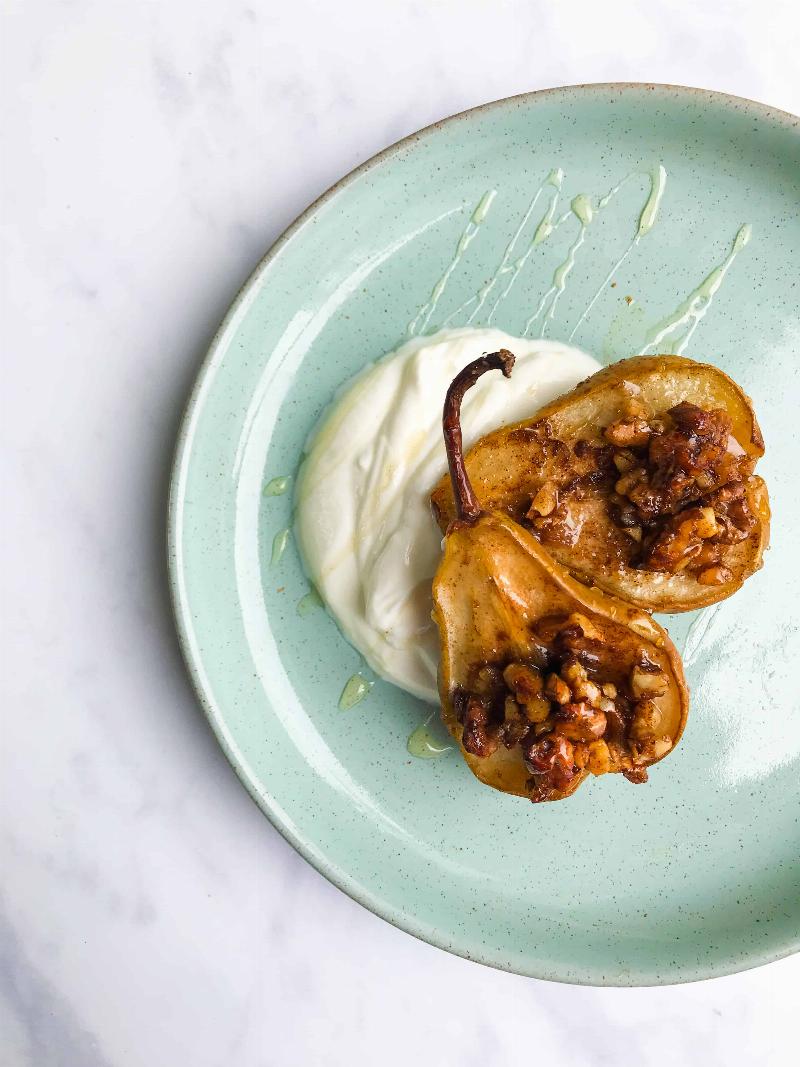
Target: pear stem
(467, 506)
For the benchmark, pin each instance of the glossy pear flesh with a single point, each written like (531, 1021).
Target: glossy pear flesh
(494, 587)
(508, 467)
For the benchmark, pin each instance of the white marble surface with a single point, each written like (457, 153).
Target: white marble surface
(149, 914)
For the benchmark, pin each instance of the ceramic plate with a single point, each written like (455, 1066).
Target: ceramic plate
(695, 220)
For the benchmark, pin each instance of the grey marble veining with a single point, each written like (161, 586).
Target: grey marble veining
(149, 914)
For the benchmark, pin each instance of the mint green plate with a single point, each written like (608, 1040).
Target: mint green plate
(696, 874)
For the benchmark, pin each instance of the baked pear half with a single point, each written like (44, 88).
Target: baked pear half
(640, 481)
(543, 680)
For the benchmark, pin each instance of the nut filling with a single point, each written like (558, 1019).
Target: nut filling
(568, 706)
(675, 485)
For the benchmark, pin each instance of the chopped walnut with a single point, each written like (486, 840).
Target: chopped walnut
(486, 681)
(478, 737)
(625, 460)
(645, 743)
(552, 756)
(625, 514)
(632, 477)
(572, 644)
(680, 540)
(705, 480)
(627, 433)
(511, 709)
(698, 443)
(645, 720)
(680, 483)
(600, 761)
(678, 480)
(546, 500)
(580, 722)
(557, 689)
(516, 726)
(565, 717)
(523, 681)
(710, 553)
(573, 672)
(637, 775)
(580, 756)
(588, 691)
(647, 682)
(734, 517)
(707, 523)
(649, 749)
(716, 575)
(527, 686)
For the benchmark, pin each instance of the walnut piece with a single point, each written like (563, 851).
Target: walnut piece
(648, 683)
(580, 722)
(560, 711)
(478, 737)
(716, 575)
(680, 483)
(557, 689)
(546, 500)
(680, 540)
(627, 433)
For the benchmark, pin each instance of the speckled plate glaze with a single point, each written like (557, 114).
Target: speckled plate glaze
(696, 874)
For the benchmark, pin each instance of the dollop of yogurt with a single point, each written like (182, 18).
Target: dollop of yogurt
(364, 523)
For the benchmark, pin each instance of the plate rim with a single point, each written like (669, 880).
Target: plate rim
(336, 875)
